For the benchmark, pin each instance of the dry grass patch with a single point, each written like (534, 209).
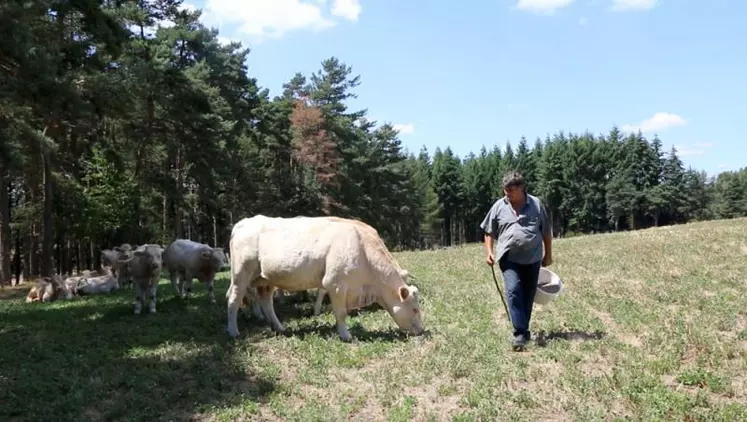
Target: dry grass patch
(652, 326)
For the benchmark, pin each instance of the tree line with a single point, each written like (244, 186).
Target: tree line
(125, 121)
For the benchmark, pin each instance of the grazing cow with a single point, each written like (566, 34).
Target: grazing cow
(186, 259)
(48, 289)
(145, 268)
(346, 258)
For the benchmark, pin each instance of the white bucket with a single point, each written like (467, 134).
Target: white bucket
(549, 287)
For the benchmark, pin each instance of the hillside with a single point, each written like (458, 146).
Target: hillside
(653, 324)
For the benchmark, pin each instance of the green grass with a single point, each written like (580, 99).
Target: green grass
(652, 326)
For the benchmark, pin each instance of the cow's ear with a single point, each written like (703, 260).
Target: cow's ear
(404, 293)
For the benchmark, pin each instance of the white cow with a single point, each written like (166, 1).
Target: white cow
(347, 258)
(186, 259)
(103, 284)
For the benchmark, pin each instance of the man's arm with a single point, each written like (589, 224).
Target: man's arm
(489, 226)
(488, 244)
(546, 224)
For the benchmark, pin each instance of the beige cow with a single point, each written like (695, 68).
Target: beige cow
(346, 258)
(48, 289)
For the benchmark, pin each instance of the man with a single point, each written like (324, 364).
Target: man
(518, 225)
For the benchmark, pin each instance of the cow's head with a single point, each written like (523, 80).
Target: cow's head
(406, 310)
(220, 260)
(149, 257)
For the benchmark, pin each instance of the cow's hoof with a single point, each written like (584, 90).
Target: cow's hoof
(345, 336)
(232, 333)
(137, 311)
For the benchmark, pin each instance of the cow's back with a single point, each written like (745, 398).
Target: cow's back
(178, 253)
(294, 253)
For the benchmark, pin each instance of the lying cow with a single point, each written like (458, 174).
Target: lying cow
(185, 259)
(48, 289)
(346, 258)
(71, 285)
(102, 284)
(145, 268)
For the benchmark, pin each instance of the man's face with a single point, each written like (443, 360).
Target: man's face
(514, 193)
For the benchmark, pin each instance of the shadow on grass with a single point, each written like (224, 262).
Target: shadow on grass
(544, 337)
(299, 309)
(93, 359)
(14, 293)
(359, 332)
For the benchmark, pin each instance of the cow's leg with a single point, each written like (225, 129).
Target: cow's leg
(152, 293)
(174, 277)
(254, 300)
(340, 311)
(268, 307)
(240, 280)
(211, 287)
(138, 298)
(280, 296)
(187, 283)
(320, 293)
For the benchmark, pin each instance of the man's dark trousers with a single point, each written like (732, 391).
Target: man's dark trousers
(520, 281)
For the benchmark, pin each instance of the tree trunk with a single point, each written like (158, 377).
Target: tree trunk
(165, 218)
(178, 210)
(215, 232)
(5, 275)
(29, 258)
(17, 257)
(47, 227)
(68, 256)
(78, 261)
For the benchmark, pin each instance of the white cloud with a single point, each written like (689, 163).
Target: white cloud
(547, 7)
(694, 150)
(683, 151)
(404, 128)
(224, 40)
(625, 5)
(188, 6)
(723, 166)
(659, 121)
(348, 9)
(264, 19)
(582, 21)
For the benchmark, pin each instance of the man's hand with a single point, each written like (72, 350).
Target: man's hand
(547, 261)
(489, 258)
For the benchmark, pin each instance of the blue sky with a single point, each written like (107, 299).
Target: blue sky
(486, 71)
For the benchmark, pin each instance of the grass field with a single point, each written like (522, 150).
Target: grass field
(653, 325)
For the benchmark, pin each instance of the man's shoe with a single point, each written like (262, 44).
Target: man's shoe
(519, 343)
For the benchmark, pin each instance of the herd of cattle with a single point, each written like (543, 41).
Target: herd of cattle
(341, 258)
(139, 267)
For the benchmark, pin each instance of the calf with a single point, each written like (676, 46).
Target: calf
(185, 259)
(145, 268)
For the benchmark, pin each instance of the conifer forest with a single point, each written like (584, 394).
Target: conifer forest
(117, 129)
